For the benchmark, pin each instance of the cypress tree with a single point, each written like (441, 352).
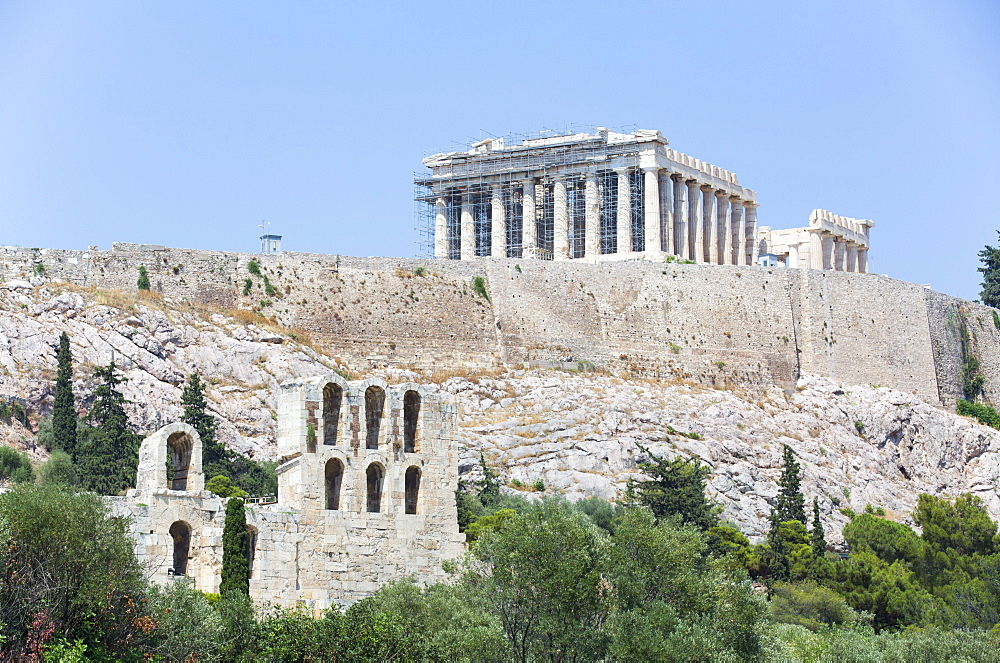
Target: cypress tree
(235, 566)
(216, 459)
(817, 536)
(64, 407)
(791, 505)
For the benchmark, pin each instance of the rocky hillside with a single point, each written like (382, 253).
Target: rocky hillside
(575, 432)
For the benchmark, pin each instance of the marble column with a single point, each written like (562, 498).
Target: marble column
(498, 217)
(529, 231)
(815, 250)
(468, 251)
(560, 215)
(680, 218)
(840, 255)
(666, 213)
(651, 209)
(592, 218)
(726, 226)
(696, 244)
(440, 228)
(751, 225)
(624, 215)
(739, 234)
(862, 260)
(711, 216)
(852, 257)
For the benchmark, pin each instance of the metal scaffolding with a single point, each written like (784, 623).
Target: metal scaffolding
(479, 169)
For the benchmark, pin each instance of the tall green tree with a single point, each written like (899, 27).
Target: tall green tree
(64, 405)
(817, 537)
(108, 452)
(543, 574)
(676, 489)
(990, 257)
(65, 558)
(791, 505)
(215, 457)
(235, 565)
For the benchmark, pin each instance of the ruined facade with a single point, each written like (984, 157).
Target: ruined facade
(829, 241)
(607, 196)
(366, 490)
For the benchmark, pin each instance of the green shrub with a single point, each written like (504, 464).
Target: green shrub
(809, 605)
(247, 285)
(15, 466)
(19, 414)
(996, 319)
(253, 267)
(479, 287)
(143, 282)
(982, 413)
(419, 271)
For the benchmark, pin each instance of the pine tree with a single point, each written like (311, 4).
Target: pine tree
(791, 505)
(990, 257)
(143, 282)
(108, 452)
(817, 536)
(235, 566)
(64, 407)
(676, 489)
(216, 459)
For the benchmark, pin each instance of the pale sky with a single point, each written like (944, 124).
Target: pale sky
(187, 123)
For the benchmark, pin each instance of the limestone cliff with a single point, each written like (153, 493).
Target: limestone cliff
(576, 432)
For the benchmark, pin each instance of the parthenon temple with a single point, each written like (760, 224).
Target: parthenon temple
(610, 196)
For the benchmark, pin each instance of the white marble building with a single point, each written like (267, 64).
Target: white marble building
(606, 196)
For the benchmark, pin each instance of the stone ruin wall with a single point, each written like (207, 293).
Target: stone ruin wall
(723, 326)
(305, 551)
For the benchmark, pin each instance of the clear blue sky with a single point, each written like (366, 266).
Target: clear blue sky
(187, 123)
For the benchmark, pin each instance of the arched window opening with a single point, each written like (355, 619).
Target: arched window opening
(375, 477)
(412, 482)
(180, 532)
(411, 415)
(179, 445)
(332, 397)
(334, 478)
(374, 404)
(251, 547)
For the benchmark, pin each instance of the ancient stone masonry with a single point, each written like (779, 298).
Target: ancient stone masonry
(716, 325)
(607, 196)
(829, 241)
(614, 196)
(367, 479)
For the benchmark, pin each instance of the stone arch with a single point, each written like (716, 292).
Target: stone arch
(180, 447)
(333, 397)
(375, 481)
(411, 483)
(251, 548)
(177, 446)
(333, 480)
(411, 420)
(180, 532)
(374, 409)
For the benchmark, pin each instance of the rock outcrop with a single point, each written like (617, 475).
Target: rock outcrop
(579, 433)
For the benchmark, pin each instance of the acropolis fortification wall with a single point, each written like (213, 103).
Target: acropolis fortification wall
(724, 326)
